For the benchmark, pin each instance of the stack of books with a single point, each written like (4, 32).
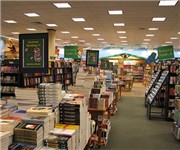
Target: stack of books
(8, 124)
(5, 139)
(4, 112)
(27, 133)
(49, 93)
(18, 113)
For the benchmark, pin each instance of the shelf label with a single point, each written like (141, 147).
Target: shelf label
(165, 52)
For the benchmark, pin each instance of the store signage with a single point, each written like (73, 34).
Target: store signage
(33, 52)
(165, 52)
(104, 64)
(92, 58)
(70, 51)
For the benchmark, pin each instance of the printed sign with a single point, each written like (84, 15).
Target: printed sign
(92, 58)
(165, 52)
(70, 51)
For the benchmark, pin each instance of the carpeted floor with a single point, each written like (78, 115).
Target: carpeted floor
(131, 129)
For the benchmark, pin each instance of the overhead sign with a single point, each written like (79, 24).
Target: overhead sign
(165, 52)
(70, 51)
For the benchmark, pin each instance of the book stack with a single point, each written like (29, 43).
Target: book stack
(176, 130)
(8, 124)
(41, 120)
(101, 103)
(4, 112)
(49, 93)
(93, 102)
(58, 142)
(71, 131)
(27, 133)
(43, 111)
(18, 113)
(5, 139)
(21, 146)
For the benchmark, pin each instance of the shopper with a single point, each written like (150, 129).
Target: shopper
(75, 69)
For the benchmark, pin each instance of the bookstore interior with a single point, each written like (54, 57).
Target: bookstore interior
(63, 96)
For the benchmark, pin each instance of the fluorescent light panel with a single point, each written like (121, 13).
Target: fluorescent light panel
(124, 41)
(100, 39)
(174, 38)
(51, 25)
(10, 21)
(149, 34)
(178, 33)
(145, 43)
(124, 44)
(74, 37)
(88, 28)
(31, 14)
(95, 34)
(123, 37)
(82, 41)
(62, 5)
(147, 39)
(119, 24)
(78, 19)
(121, 31)
(65, 32)
(168, 42)
(153, 29)
(115, 12)
(159, 19)
(31, 29)
(15, 32)
(168, 2)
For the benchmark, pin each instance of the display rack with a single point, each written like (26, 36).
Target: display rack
(152, 84)
(9, 77)
(154, 108)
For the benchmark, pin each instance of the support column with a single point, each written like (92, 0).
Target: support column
(121, 65)
(51, 44)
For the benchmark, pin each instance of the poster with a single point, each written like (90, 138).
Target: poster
(70, 51)
(165, 52)
(33, 52)
(104, 64)
(92, 58)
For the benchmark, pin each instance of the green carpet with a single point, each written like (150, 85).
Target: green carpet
(131, 129)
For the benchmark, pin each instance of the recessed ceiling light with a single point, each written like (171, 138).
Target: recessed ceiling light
(168, 2)
(15, 32)
(145, 43)
(121, 31)
(100, 39)
(119, 24)
(153, 29)
(51, 25)
(164, 45)
(168, 42)
(95, 34)
(178, 33)
(65, 32)
(74, 37)
(31, 29)
(31, 14)
(125, 44)
(58, 39)
(87, 43)
(159, 19)
(88, 28)
(123, 37)
(104, 42)
(147, 39)
(10, 21)
(82, 41)
(62, 5)
(78, 19)
(65, 42)
(149, 34)
(115, 12)
(124, 41)
(174, 38)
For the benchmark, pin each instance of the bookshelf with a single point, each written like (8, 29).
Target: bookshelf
(138, 72)
(9, 77)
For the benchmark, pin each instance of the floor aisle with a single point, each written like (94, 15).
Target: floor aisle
(131, 130)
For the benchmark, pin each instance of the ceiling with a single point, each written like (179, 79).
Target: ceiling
(137, 16)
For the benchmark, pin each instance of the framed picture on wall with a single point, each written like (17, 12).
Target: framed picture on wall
(33, 52)
(92, 58)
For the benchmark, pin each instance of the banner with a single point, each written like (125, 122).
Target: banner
(165, 52)
(33, 49)
(70, 51)
(104, 64)
(92, 58)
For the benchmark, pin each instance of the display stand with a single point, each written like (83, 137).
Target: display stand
(153, 109)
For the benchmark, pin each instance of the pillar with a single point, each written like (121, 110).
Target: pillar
(51, 44)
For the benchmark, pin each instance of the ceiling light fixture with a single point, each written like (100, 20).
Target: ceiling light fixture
(58, 39)
(10, 21)
(145, 43)
(82, 41)
(31, 29)
(149, 34)
(178, 33)
(95, 34)
(89, 29)
(51, 25)
(159, 19)
(78, 19)
(174, 38)
(65, 32)
(115, 12)
(62, 5)
(168, 42)
(31, 14)
(147, 39)
(124, 41)
(121, 31)
(123, 37)
(100, 39)
(168, 2)
(119, 24)
(15, 32)
(74, 37)
(153, 29)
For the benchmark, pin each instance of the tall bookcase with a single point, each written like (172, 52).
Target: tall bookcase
(9, 77)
